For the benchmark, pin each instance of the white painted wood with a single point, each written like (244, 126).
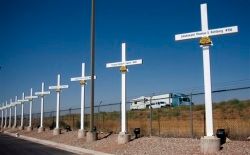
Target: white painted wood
(10, 113)
(123, 63)
(6, 114)
(58, 89)
(126, 63)
(212, 32)
(30, 98)
(15, 104)
(22, 101)
(82, 80)
(42, 94)
(206, 60)
(2, 111)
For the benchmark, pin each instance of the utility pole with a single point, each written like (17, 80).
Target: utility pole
(91, 135)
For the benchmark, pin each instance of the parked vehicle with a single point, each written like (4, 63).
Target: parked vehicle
(159, 101)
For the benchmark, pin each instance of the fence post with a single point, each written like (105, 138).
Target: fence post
(98, 118)
(191, 116)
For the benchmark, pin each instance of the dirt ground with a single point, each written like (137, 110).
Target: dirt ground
(142, 146)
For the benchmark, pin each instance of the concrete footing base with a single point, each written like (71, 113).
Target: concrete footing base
(123, 138)
(82, 133)
(91, 136)
(210, 145)
(56, 131)
(21, 128)
(41, 129)
(29, 128)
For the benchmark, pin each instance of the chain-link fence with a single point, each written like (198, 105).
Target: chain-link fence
(231, 109)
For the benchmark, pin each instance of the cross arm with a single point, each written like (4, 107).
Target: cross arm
(212, 32)
(31, 97)
(126, 63)
(42, 93)
(23, 100)
(82, 78)
(59, 87)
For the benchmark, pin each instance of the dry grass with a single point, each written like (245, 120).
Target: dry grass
(175, 122)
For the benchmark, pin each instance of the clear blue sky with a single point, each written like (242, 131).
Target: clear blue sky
(41, 38)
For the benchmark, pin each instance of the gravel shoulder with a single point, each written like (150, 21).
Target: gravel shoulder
(141, 146)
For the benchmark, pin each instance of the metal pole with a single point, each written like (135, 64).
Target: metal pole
(92, 95)
(191, 116)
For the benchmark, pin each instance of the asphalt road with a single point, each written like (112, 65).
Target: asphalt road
(15, 146)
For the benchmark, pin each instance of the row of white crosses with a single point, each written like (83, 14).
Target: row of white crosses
(205, 43)
(41, 94)
(30, 99)
(123, 68)
(4, 109)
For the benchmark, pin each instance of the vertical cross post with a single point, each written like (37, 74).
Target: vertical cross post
(207, 75)
(10, 105)
(42, 95)
(123, 137)
(6, 113)
(22, 101)
(15, 104)
(123, 90)
(30, 98)
(82, 79)
(2, 110)
(58, 89)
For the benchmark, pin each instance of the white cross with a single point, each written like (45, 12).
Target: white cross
(2, 110)
(10, 105)
(205, 42)
(58, 89)
(82, 80)
(42, 94)
(22, 101)
(6, 113)
(30, 98)
(123, 68)
(15, 104)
